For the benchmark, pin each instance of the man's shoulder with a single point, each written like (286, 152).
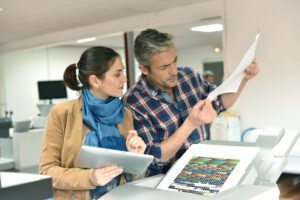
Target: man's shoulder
(186, 72)
(133, 94)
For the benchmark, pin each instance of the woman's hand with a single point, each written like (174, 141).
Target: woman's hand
(134, 143)
(102, 176)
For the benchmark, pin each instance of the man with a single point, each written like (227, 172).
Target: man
(169, 103)
(208, 76)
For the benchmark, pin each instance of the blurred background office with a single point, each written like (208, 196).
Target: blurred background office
(39, 39)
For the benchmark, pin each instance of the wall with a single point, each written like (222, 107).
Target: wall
(2, 92)
(195, 56)
(272, 98)
(21, 70)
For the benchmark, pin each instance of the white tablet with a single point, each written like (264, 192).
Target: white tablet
(95, 157)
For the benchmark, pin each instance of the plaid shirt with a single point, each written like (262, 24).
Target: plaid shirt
(157, 116)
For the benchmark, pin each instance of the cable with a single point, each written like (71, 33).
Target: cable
(246, 131)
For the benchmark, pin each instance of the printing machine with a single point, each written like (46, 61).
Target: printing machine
(258, 182)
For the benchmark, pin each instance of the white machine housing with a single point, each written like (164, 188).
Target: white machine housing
(258, 182)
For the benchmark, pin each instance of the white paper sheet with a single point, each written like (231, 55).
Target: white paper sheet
(232, 83)
(225, 167)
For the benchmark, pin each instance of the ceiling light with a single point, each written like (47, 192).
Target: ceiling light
(208, 28)
(217, 49)
(1, 9)
(86, 40)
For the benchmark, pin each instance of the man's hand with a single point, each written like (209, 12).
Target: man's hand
(202, 113)
(252, 70)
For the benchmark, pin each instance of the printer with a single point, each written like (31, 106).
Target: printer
(257, 182)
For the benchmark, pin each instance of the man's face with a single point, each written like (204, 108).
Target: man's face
(210, 79)
(163, 70)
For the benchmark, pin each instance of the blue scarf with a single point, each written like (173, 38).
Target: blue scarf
(102, 117)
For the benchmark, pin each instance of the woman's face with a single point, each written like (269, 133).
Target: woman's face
(112, 83)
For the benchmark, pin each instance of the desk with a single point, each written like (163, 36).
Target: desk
(6, 163)
(19, 186)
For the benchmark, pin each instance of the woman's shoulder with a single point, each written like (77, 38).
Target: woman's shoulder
(67, 106)
(127, 110)
(127, 113)
(127, 123)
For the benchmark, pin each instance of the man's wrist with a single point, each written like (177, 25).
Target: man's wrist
(188, 125)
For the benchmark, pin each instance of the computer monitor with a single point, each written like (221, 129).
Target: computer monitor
(52, 90)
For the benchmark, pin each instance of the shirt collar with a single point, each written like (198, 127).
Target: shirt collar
(149, 88)
(152, 90)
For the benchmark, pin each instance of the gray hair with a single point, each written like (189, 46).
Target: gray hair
(150, 42)
(208, 73)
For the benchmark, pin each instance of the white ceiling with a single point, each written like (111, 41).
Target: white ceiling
(184, 38)
(21, 20)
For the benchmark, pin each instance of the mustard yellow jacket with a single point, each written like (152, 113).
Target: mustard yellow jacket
(62, 140)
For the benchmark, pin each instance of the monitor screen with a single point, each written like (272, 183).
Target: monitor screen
(52, 90)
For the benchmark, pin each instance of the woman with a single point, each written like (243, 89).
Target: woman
(97, 118)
